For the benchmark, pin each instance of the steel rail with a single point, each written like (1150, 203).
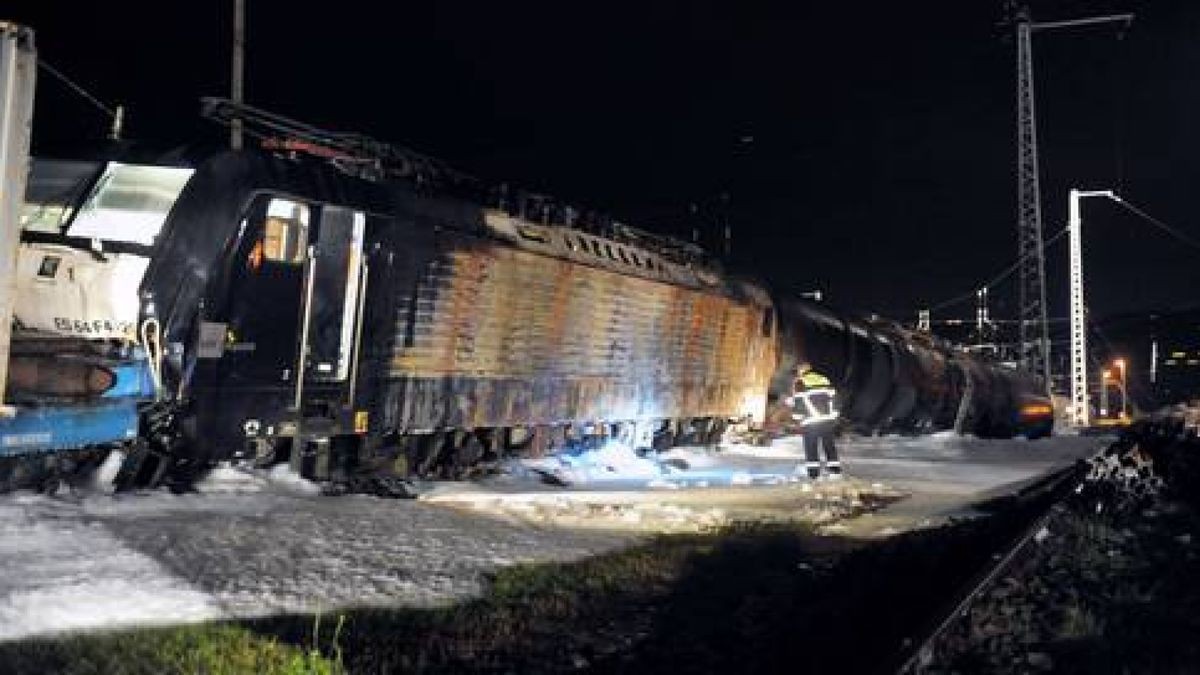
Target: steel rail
(1052, 484)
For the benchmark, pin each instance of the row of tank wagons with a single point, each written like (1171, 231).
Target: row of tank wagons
(893, 381)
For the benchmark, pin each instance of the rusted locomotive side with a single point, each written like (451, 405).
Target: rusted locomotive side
(316, 314)
(538, 327)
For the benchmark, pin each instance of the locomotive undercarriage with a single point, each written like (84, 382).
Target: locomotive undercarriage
(51, 472)
(455, 454)
(358, 463)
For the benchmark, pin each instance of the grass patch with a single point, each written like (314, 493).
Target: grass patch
(212, 649)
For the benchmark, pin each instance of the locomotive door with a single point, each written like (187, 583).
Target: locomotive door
(330, 327)
(281, 354)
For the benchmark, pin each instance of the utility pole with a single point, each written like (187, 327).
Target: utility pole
(18, 73)
(1032, 320)
(236, 81)
(1080, 405)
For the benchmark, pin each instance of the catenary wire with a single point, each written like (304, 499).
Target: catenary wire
(1173, 231)
(996, 279)
(76, 88)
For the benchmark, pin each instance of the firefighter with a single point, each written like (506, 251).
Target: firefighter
(813, 408)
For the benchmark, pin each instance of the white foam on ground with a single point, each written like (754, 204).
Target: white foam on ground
(226, 478)
(110, 562)
(282, 475)
(618, 466)
(612, 461)
(102, 479)
(63, 574)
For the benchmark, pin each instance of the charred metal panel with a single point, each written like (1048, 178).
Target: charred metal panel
(498, 336)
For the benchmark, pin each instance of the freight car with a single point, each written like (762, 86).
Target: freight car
(895, 380)
(344, 305)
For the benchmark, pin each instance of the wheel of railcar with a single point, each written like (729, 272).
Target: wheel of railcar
(430, 448)
(623, 433)
(271, 451)
(687, 434)
(556, 437)
(345, 454)
(572, 436)
(490, 440)
(468, 453)
(395, 454)
(664, 438)
(716, 431)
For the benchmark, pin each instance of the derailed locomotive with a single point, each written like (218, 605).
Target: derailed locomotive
(376, 325)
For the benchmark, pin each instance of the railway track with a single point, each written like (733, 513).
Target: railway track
(1064, 518)
(1037, 505)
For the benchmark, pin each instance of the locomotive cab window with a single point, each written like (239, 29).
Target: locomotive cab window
(285, 231)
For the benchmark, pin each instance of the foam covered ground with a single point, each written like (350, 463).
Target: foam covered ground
(251, 543)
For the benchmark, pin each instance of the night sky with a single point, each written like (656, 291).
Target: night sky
(866, 149)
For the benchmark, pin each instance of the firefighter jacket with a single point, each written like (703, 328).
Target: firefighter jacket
(812, 399)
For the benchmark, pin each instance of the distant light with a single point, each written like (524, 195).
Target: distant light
(1037, 410)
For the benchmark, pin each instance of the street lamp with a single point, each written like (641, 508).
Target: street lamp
(1080, 414)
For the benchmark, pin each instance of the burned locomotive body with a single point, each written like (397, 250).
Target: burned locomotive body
(345, 318)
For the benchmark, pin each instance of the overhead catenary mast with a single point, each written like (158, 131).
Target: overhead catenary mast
(1031, 276)
(1034, 343)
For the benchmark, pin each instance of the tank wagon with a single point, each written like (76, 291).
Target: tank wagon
(891, 379)
(343, 305)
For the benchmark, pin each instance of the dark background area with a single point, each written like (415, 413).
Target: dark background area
(881, 165)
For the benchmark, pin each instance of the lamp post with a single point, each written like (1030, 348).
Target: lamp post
(1080, 414)
(1105, 375)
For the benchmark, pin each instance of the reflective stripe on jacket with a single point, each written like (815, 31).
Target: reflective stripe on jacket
(814, 405)
(813, 399)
